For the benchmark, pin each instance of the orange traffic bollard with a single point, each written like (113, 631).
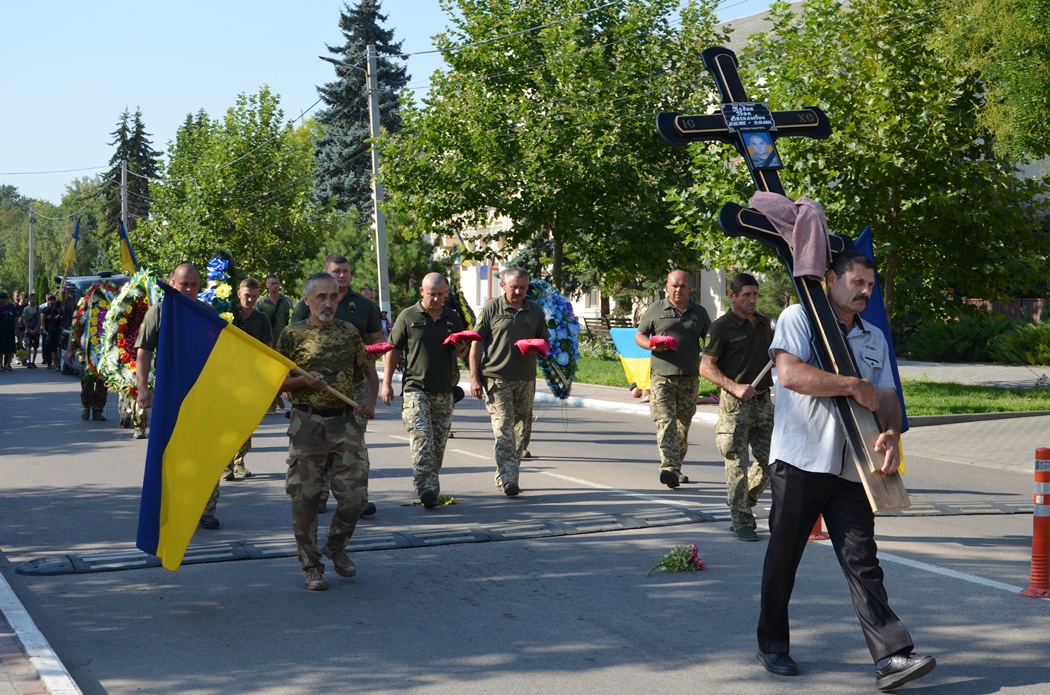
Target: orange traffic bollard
(817, 534)
(1040, 586)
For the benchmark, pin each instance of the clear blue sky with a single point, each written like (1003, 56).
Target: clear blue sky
(69, 68)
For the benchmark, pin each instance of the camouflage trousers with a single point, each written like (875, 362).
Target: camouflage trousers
(93, 392)
(742, 424)
(509, 402)
(359, 392)
(428, 419)
(313, 441)
(672, 404)
(213, 502)
(130, 409)
(238, 458)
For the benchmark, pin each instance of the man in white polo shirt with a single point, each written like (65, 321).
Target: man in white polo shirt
(813, 473)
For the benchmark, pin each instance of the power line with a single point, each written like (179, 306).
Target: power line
(56, 171)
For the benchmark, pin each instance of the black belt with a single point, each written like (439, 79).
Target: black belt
(323, 412)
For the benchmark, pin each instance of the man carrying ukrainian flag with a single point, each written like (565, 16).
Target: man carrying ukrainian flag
(329, 353)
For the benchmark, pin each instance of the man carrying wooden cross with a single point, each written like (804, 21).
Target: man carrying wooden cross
(813, 474)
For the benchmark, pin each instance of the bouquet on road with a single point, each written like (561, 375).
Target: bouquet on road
(684, 558)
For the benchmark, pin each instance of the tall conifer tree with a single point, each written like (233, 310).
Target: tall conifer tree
(344, 170)
(134, 146)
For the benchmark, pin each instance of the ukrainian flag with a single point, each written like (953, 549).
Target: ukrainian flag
(214, 383)
(635, 359)
(127, 257)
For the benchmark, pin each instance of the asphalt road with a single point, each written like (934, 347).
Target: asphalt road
(545, 593)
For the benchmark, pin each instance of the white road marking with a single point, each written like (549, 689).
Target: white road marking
(471, 453)
(618, 491)
(943, 571)
(48, 666)
(888, 557)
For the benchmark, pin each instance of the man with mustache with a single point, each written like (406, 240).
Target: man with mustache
(363, 314)
(813, 473)
(323, 429)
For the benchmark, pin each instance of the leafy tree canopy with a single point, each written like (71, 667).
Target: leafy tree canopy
(907, 155)
(552, 128)
(1007, 42)
(240, 182)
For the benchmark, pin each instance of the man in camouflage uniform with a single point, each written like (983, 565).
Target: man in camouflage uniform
(324, 429)
(430, 373)
(736, 355)
(363, 314)
(93, 389)
(503, 375)
(186, 279)
(257, 325)
(674, 372)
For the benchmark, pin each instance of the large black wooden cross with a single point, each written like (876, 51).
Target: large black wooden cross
(753, 129)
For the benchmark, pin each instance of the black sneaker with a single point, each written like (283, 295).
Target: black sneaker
(369, 509)
(669, 479)
(85, 413)
(511, 490)
(901, 670)
(209, 522)
(97, 416)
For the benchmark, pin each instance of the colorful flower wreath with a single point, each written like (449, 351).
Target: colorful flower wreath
(87, 324)
(120, 330)
(564, 342)
(219, 290)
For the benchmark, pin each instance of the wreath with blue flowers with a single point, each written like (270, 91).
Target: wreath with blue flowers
(559, 366)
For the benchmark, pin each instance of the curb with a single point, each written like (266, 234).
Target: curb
(929, 420)
(610, 407)
(49, 667)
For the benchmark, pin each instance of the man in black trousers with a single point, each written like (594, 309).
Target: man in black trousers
(813, 473)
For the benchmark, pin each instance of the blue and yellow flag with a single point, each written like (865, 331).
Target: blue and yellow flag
(214, 383)
(71, 254)
(635, 359)
(127, 256)
(875, 314)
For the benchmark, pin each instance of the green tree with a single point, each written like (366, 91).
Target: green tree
(344, 169)
(552, 128)
(1007, 42)
(241, 183)
(133, 145)
(51, 234)
(408, 258)
(907, 155)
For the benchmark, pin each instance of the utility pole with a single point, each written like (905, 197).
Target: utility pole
(32, 221)
(383, 288)
(124, 195)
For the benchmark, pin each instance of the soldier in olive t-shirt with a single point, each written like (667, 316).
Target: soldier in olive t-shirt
(675, 371)
(503, 375)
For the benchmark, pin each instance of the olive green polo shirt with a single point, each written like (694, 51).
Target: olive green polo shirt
(429, 363)
(688, 327)
(742, 349)
(500, 326)
(355, 309)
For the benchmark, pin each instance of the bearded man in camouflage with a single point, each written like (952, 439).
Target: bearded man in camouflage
(430, 373)
(322, 426)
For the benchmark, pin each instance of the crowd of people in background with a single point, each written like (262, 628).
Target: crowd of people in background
(29, 330)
